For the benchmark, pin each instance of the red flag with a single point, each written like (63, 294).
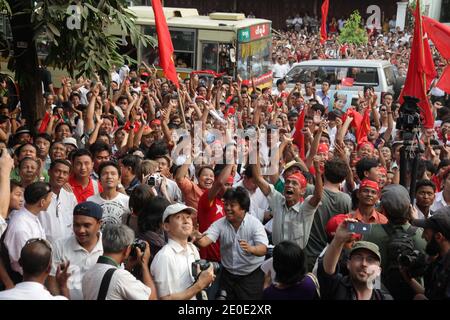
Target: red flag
(364, 127)
(439, 33)
(421, 71)
(164, 43)
(323, 26)
(444, 81)
(298, 136)
(347, 82)
(44, 123)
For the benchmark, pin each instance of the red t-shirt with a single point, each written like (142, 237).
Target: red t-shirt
(207, 213)
(82, 194)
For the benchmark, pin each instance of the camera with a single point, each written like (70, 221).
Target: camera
(414, 262)
(154, 180)
(203, 264)
(137, 243)
(409, 118)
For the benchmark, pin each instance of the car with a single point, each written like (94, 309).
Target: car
(346, 76)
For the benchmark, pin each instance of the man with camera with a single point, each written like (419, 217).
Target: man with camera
(172, 265)
(437, 274)
(363, 267)
(397, 239)
(107, 281)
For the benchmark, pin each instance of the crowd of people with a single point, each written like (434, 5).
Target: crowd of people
(206, 192)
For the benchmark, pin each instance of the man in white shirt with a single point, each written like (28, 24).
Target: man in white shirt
(36, 261)
(443, 198)
(258, 201)
(243, 245)
(113, 203)
(118, 247)
(81, 250)
(57, 219)
(171, 266)
(25, 224)
(281, 68)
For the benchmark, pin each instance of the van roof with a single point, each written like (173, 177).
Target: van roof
(344, 63)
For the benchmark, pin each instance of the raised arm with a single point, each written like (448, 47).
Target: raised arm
(318, 189)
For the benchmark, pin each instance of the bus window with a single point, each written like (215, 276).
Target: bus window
(183, 41)
(216, 57)
(209, 56)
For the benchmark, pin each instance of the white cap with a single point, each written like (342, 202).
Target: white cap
(71, 141)
(176, 208)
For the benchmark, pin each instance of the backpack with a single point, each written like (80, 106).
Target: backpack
(400, 244)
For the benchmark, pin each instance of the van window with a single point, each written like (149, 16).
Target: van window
(389, 74)
(334, 75)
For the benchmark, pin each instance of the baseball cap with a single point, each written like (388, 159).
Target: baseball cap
(439, 222)
(372, 247)
(89, 209)
(395, 200)
(176, 208)
(71, 141)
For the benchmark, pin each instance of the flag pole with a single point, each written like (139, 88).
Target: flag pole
(182, 108)
(422, 49)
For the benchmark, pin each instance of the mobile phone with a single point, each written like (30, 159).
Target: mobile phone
(359, 227)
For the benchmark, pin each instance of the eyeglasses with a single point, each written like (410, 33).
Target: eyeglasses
(44, 241)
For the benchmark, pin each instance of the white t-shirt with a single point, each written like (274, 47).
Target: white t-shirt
(123, 285)
(80, 262)
(29, 290)
(112, 209)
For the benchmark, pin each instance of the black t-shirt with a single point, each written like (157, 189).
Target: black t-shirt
(437, 279)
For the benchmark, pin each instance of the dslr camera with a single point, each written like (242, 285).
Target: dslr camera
(137, 243)
(414, 262)
(154, 180)
(203, 264)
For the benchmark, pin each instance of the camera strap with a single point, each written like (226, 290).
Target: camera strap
(106, 280)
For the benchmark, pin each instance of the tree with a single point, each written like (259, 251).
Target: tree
(353, 32)
(78, 41)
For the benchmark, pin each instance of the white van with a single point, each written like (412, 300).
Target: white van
(350, 75)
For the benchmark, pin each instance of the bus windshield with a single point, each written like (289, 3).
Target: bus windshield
(254, 58)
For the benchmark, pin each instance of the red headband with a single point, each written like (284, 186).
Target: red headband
(299, 178)
(323, 148)
(366, 183)
(362, 144)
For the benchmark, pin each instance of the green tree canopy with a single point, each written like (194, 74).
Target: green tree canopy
(353, 32)
(85, 48)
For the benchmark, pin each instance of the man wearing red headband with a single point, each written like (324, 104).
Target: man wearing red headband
(368, 195)
(292, 216)
(365, 149)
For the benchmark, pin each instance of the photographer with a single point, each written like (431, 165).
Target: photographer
(437, 275)
(397, 238)
(171, 267)
(119, 284)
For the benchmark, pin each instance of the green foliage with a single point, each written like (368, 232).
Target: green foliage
(4, 7)
(91, 49)
(353, 32)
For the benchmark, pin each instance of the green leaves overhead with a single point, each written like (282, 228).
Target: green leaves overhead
(85, 48)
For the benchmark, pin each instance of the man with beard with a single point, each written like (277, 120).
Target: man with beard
(363, 266)
(292, 215)
(395, 204)
(437, 276)
(80, 251)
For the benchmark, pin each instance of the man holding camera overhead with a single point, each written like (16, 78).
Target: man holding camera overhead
(107, 281)
(172, 265)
